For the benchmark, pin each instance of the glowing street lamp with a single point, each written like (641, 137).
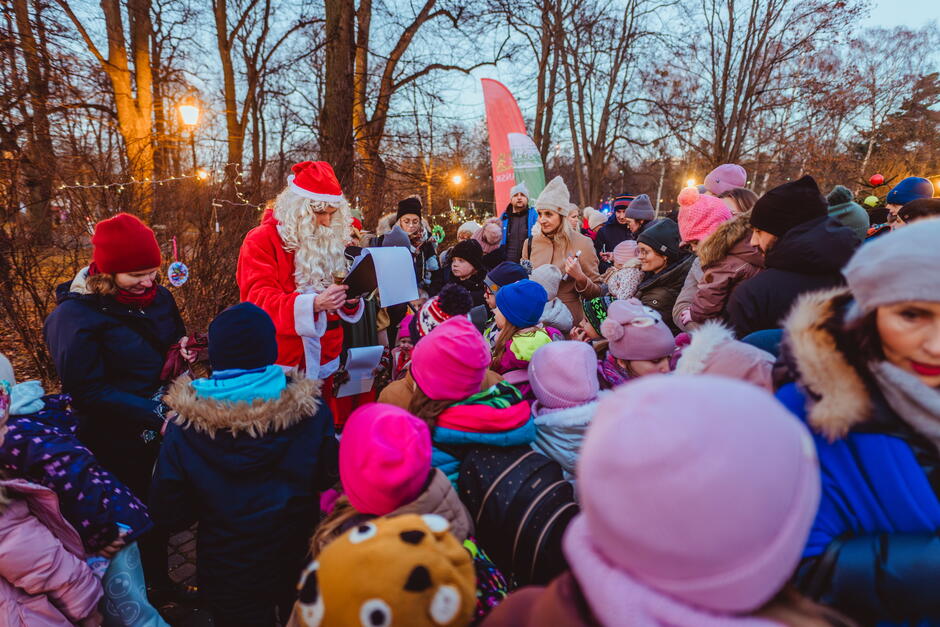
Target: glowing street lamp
(690, 183)
(189, 114)
(457, 179)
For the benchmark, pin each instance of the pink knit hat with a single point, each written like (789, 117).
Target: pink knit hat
(724, 177)
(700, 215)
(635, 331)
(564, 374)
(624, 252)
(404, 329)
(384, 458)
(713, 350)
(700, 487)
(450, 362)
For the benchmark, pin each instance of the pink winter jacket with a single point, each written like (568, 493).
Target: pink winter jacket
(44, 581)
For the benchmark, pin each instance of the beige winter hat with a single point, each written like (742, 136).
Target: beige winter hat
(554, 197)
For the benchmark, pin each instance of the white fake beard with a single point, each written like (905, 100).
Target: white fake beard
(318, 251)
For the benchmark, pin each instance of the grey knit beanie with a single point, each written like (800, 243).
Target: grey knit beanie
(897, 267)
(640, 208)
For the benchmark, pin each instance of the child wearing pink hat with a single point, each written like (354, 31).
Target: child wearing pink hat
(448, 366)
(385, 470)
(725, 255)
(563, 376)
(401, 354)
(697, 496)
(625, 275)
(637, 338)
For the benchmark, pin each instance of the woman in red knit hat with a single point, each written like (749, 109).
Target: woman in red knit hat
(109, 337)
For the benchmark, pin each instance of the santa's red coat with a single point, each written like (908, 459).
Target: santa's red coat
(265, 277)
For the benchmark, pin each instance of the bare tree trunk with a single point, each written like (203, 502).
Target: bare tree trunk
(39, 159)
(336, 116)
(235, 130)
(133, 89)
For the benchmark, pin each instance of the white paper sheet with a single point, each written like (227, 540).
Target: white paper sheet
(360, 365)
(395, 274)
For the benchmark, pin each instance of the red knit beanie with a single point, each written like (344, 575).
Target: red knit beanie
(124, 244)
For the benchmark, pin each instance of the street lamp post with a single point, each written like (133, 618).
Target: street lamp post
(189, 113)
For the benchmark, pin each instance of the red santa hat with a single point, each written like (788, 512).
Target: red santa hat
(315, 180)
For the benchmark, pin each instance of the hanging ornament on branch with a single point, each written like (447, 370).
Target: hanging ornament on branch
(178, 272)
(876, 180)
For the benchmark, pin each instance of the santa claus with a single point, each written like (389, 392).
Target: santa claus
(289, 265)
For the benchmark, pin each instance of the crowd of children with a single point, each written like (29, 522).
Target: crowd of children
(730, 418)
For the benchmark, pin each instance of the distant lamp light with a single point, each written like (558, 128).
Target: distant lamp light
(202, 174)
(690, 183)
(190, 114)
(457, 179)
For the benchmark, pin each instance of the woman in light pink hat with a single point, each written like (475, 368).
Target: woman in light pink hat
(697, 497)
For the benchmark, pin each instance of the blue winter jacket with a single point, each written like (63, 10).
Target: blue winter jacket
(109, 357)
(873, 551)
(250, 475)
(531, 219)
(42, 447)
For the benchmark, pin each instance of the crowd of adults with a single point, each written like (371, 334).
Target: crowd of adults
(726, 415)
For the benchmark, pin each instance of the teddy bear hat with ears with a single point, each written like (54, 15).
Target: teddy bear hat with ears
(404, 570)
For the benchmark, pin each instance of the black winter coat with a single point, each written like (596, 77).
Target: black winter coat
(807, 258)
(609, 235)
(109, 357)
(255, 494)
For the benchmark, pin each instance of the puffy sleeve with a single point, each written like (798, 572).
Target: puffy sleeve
(34, 560)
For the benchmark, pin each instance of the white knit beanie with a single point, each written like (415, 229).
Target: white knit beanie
(519, 189)
(554, 197)
(470, 227)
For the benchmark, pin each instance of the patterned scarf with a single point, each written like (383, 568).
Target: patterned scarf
(501, 396)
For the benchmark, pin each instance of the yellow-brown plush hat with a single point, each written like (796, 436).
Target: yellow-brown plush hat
(405, 570)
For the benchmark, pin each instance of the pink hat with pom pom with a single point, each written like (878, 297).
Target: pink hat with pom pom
(634, 331)
(724, 177)
(625, 251)
(700, 215)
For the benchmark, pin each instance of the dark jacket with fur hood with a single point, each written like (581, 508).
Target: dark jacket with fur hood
(808, 257)
(250, 475)
(873, 551)
(727, 259)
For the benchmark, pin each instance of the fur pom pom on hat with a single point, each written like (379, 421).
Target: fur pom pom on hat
(453, 300)
(549, 277)
(555, 197)
(714, 350)
(635, 331)
(840, 194)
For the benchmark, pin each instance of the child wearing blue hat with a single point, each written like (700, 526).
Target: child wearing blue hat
(518, 310)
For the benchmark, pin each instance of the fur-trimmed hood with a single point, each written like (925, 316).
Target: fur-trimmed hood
(713, 349)
(838, 396)
(300, 399)
(718, 245)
